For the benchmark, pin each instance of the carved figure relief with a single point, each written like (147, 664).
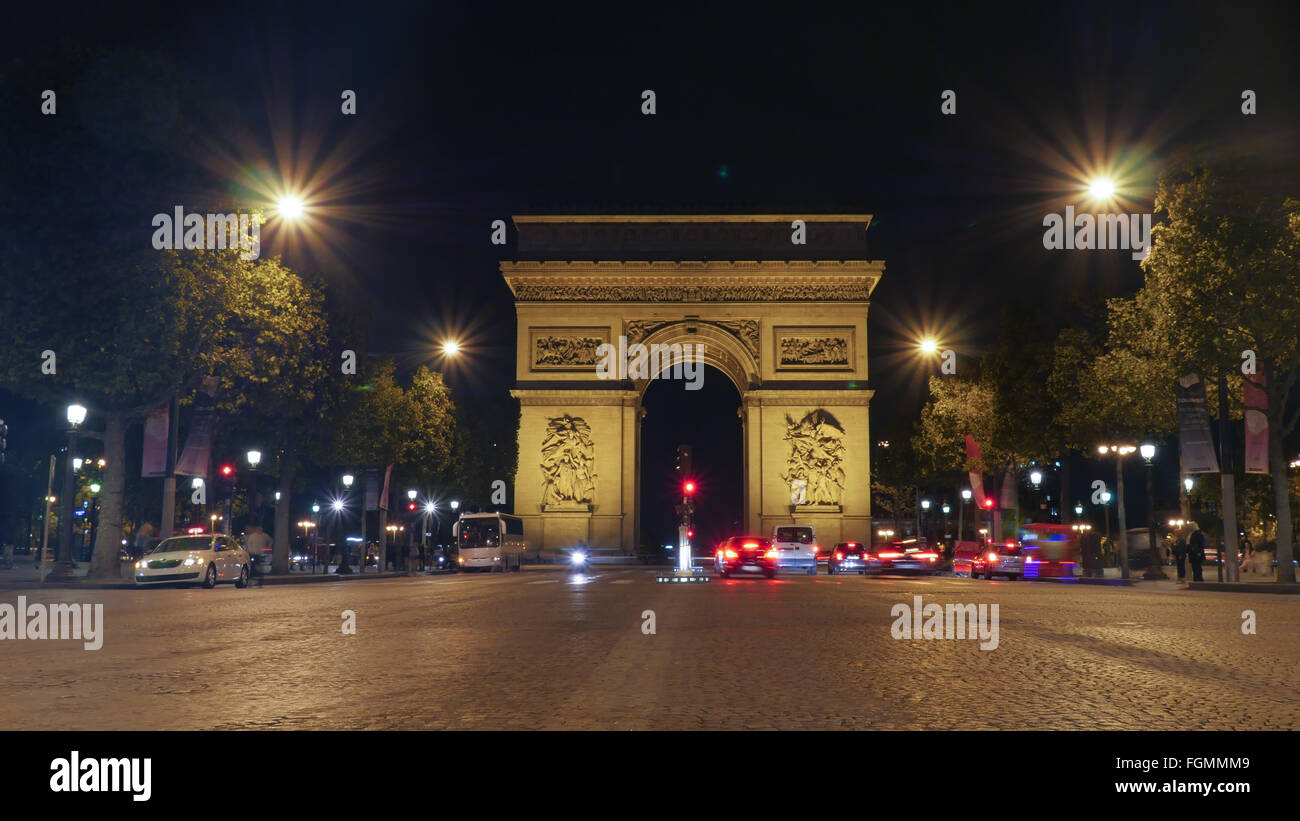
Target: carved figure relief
(815, 468)
(808, 350)
(568, 462)
(571, 351)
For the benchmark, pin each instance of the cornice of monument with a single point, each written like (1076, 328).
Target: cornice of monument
(688, 281)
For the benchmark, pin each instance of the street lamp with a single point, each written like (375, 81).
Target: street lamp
(77, 462)
(1154, 569)
(348, 479)
(411, 494)
(76, 414)
(1120, 452)
(455, 505)
(961, 513)
(1078, 510)
(254, 458)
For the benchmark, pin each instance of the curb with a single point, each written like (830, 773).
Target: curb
(1283, 588)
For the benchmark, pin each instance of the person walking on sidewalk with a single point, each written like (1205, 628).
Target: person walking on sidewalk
(1196, 552)
(1180, 555)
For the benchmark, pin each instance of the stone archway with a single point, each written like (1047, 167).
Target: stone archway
(790, 333)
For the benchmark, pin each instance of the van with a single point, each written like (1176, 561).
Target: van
(796, 548)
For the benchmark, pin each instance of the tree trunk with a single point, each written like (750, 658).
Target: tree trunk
(1066, 505)
(108, 538)
(283, 535)
(1277, 466)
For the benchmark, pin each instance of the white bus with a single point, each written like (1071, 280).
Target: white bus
(489, 540)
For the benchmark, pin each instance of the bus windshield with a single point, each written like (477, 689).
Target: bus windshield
(480, 533)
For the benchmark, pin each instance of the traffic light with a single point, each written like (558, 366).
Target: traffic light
(411, 506)
(682, 462)
(226, 481)
(988, 503)
(688, 487)
(4, 433)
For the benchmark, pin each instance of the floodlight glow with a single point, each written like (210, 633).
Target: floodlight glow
(291, 208)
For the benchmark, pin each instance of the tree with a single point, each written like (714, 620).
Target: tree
(1220, 280)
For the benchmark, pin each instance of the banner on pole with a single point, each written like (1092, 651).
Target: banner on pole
(156, 427)
(383, 499)
(1256, 404)
(976, 476)
(1195, 442)
(372, 488)
(197, 455)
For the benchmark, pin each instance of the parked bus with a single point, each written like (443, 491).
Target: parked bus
(494, 541)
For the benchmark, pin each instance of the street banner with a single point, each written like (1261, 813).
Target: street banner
(383, 499)
(1256, 404)
(156, 426)
(1009, 501)
(1195, 442)
(197, 455)
(372, 488)
(976, 476)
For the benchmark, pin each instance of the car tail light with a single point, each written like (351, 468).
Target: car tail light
(930, 556)
(993, 557)
(839, 557)
(891, 555)
(771, 554)
(866, 557)
(730, 554)
(751, 545)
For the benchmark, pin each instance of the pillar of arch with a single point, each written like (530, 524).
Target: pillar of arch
(785, 322)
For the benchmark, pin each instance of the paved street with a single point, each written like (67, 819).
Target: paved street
(543, 650)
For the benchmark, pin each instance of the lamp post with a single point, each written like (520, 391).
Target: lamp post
(961, 514)
(1120, 452)
(1154, 568)
(1036, 479)
(923, 532)
(254, 458)
(63, 571)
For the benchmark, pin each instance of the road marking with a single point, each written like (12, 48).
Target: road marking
(622, 581)
(545, 581)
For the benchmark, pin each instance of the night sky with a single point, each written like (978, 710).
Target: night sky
(476, 112)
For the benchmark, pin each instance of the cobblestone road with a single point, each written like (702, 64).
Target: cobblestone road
(541, 650)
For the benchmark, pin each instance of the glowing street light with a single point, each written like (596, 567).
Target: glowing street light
(1036, 478)
(411, 494)
(929, 346)
(451, 347)
(348, 479)
(290, 207)
(254, 458)
(1102, 189)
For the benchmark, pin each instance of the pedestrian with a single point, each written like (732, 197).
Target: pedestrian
(257, 543)
(1180, 554)
(1247, 564)
(1196, 552)
(412, 558)
(144, 538)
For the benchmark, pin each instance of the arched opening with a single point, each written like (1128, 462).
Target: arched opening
(707, 421)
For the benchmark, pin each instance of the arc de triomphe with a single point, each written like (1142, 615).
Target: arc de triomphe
(785, 321)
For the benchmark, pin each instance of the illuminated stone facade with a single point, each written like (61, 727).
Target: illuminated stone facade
(786, 323)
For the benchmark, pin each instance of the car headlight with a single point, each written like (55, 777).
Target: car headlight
(139, 565)
(578, 557)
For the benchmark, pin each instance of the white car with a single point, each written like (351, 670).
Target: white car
(796, 548)
(205, 558)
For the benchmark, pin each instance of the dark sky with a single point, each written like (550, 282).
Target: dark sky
(474, 112)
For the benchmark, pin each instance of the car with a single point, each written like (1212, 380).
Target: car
(200, 558)
(847, 557)
(796, 548)
(905, 556)
(989, 559)
(745, 554)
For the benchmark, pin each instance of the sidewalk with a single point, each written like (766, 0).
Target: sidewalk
(26, 576)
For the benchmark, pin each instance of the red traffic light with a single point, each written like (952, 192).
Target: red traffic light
(988, 503)
(227, 470)
(688, 487)
(410, 506)
(690, 534)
